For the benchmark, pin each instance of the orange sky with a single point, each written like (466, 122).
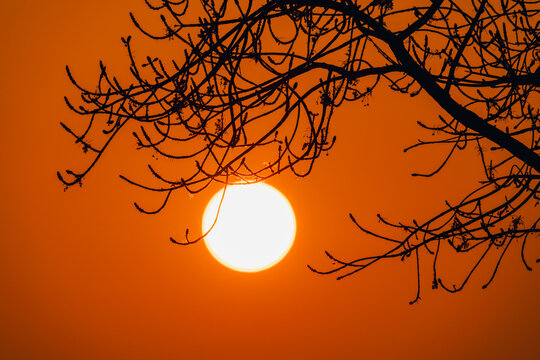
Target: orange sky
(83, 275)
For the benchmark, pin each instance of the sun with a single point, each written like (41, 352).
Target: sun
(255, 227)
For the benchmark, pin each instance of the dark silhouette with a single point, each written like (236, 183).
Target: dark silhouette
(261, 80)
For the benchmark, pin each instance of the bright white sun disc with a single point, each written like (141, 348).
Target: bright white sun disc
(255, 227)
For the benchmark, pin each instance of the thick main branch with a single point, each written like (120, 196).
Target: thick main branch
(465, 116)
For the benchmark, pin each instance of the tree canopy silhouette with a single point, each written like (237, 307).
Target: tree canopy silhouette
(262, 79)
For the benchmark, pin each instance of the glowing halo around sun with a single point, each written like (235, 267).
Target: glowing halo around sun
(255, 227)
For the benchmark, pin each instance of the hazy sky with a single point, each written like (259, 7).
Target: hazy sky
(83, 275)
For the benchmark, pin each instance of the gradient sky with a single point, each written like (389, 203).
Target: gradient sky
(83, 275)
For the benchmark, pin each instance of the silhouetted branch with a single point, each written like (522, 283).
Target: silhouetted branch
(262, 80)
